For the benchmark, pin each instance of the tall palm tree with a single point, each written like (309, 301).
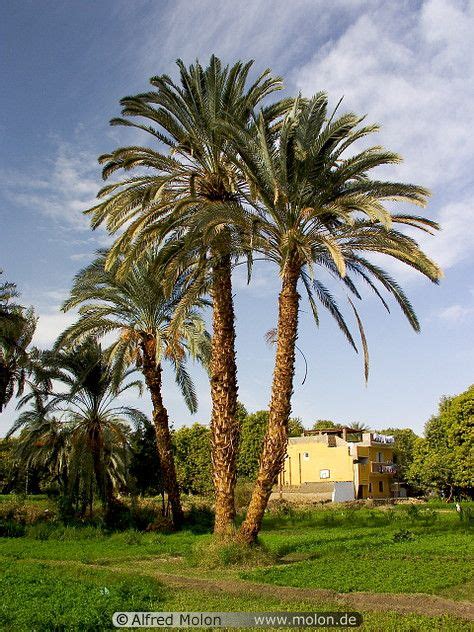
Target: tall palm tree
(317, 208)
(92, 429)
(180, 195)
(136, 310)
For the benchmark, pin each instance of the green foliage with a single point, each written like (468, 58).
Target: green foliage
(192, 447)
(322, 424)
(443, 461)
(251, 440)
(403, 536)
(17, 326)
(144, 466)
(253, 430)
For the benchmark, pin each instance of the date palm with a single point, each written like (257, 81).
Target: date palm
(317, 208)
(137, 312)
(94, 429)
(179, 195)
(17, 326)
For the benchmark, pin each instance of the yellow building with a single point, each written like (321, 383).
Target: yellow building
(343, 461)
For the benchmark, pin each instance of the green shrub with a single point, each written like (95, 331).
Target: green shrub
(11, 529)
(403, 535)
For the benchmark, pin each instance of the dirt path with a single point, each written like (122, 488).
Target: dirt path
(429, 605)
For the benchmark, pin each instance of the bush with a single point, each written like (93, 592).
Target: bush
(403, 536)
(11, 529)
(200, 519)
(215, 554)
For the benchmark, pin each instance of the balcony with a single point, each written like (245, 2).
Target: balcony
(376, 439)
(382, 468)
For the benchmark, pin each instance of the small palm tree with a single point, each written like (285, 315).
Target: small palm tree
(94, 430)
(317, 209)
(180, 195)
(43, 442)
(136, 310)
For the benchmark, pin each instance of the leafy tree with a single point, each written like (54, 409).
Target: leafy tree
(145, 470)
(443, 461)
(295, 427)
(11, 478)
(254, 426)
(181, 199)
(251, 440)
(316, 207)
(192, 447)
(322, 424)
(148, 333)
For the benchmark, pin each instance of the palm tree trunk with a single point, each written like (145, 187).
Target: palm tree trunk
(275, 442)
(152, 372)
(224, 423)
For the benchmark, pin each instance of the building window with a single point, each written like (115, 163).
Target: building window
(380, 486)
(370, 488)
(380, 457)
(324, 474)
(306, 456)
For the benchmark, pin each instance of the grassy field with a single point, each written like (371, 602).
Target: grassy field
(73, 578)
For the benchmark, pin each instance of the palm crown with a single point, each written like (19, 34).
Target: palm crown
(138, 310)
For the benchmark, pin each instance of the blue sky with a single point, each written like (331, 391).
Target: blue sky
(408, 65)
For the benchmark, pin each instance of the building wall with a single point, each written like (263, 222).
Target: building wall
(307, 459)
(370, 486)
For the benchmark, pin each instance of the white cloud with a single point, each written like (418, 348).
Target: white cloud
(50, 325)
(62, 190)
(455, 314)
(413, 72)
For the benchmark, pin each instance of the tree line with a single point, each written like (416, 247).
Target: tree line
(230, 175)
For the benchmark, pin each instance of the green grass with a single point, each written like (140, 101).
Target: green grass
(74, 578)
(343, 555)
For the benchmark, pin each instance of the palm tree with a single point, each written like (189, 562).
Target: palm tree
(17, 326)
(94, 428)
(186, 189)
(317, 209)
(137, 311)
(44, 440)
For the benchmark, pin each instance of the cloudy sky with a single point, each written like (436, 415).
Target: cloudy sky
(407, 65)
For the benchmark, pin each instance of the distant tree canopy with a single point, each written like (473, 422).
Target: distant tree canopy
(322, 424)
(193, 450)
(443, 461)
(192, 447)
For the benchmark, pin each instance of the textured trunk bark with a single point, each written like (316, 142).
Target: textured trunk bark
(275, 442)
(224, 423)
(152, 372)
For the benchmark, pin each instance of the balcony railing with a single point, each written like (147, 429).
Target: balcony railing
(382, 468)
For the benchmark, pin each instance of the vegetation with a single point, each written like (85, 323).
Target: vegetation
(316, 208)
(77, 435)
(148, 332)
(443, 461)
(17, 326)
(182, 202)
(348, 550)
